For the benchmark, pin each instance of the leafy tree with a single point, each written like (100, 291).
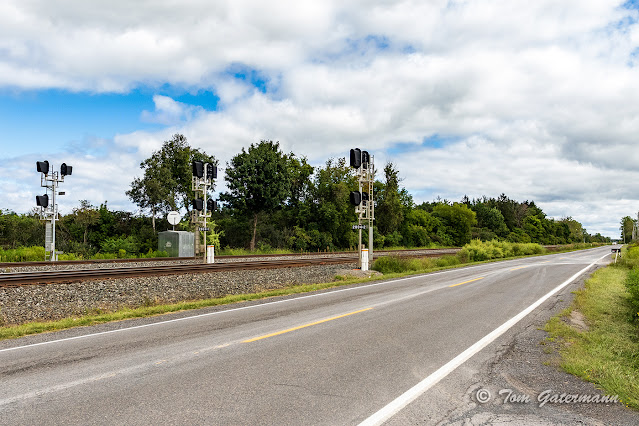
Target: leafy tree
(573, 231)
(258, 181)
(418, 228)
(22, 230)
(166, 182)
(457, 220)
(84, 217)
(627, 224)
(331, 209)
(491, 218)
(390, 211)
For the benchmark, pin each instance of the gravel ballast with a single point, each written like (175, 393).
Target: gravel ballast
(24, 304)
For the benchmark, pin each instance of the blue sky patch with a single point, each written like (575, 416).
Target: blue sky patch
(249, 75)
(631, 4)
(45, 120)
(434, 141)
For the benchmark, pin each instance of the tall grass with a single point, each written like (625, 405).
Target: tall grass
(396, 264)
(25, 254)
(608, 353)
(35, 254)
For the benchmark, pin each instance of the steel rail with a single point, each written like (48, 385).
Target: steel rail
(17, 279)
(224, 257)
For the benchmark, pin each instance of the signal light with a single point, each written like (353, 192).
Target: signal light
(356, 158)
(43, 167)
(211, 205)
(42, 200)
(356, 198)
(211, 171)
(198, 204)
(366, 158)
(198, 168)
(65, 170)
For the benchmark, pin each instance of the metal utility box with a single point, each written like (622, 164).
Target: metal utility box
(177, 243)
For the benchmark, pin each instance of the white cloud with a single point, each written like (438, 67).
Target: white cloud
(535, 99)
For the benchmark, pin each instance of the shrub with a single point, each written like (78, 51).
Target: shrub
(632, 284)
(116, 245)
(23, 254)
(478, 250)
(393, 240)
(389, 264)
(630, 257)
(446, 261)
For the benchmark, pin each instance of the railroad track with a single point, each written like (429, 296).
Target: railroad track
(17, 279)
(408, 252)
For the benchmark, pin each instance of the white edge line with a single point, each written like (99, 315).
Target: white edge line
(237, 309)
(413, 393)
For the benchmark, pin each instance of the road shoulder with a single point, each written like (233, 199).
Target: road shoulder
(516, 374)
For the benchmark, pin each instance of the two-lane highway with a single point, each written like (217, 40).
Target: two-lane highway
(346, 356)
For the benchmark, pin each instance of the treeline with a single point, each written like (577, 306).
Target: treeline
(87, 231)
(277, 200)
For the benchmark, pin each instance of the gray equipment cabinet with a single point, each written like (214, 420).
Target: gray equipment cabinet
(177, 243)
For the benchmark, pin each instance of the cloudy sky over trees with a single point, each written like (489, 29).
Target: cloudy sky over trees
(537, 100)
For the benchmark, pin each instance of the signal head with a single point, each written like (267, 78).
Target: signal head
(65, 170)
(198, 168)
(211, 171)
(43, 167)
(356, 158)
(42, 200)
(356, 198)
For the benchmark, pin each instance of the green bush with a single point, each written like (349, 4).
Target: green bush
(477, 250)
(630, 257)
(117, 245)
(70, 256)
(23, 254)
(389, 264)
(632, 284)
(446, 261)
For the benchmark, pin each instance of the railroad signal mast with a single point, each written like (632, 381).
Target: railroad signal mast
(363, 201)
(48, 205)
(202, 180)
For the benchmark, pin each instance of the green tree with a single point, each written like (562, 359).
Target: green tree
(627, 224)
(331, 209)
(84, 217)
(258, 180)
(389, 213)
(457, 220)
(418, 228)
(491, 218)
(22, 230)
(166, 182)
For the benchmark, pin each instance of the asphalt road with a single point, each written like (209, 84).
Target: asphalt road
(370, 353)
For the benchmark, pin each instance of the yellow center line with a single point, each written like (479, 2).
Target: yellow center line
(466, 282)
(521, 267)
(304, 326)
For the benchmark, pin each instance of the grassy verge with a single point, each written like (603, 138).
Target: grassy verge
(607, 354)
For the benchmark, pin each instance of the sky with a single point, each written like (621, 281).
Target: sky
(535, 99)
